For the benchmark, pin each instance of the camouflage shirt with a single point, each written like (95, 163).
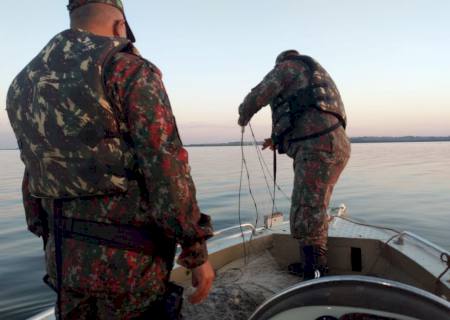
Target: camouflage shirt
(286, 79)
(135, 87)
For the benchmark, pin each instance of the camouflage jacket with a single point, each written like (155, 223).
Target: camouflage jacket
(135, 87)
(286, 79)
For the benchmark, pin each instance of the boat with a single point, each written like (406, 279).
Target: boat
(375, 273)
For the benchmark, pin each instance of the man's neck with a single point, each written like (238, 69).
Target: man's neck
(94, 30)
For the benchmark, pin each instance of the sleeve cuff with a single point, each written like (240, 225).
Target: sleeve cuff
(194, 255)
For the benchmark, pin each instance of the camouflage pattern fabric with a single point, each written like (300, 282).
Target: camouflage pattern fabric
(85, 307)
(322, 92)
(287, 77)
(33, 210)
(316, 174)
(318, 162)
(165, 199)
(67, 129)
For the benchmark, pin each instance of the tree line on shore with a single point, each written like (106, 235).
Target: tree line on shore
(373, 139)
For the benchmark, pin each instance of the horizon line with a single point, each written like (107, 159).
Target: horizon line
(358, 139)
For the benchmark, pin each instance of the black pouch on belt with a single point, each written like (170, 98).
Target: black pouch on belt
(173, 301)
(169, 307)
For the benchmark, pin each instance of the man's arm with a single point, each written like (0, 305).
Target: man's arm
(34, 213)
(278, 79)
(138, 87)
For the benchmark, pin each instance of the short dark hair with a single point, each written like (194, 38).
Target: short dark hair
(91, 13)
(285, 54)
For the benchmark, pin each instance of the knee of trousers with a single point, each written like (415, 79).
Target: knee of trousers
(309, 225)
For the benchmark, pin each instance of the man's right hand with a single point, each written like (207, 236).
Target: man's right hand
(242, 122)
(202, 279)
(268, 143)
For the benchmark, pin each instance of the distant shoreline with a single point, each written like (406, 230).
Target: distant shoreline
(353, 140)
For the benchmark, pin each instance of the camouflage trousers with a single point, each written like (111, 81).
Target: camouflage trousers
(78, 306)
(316, 174)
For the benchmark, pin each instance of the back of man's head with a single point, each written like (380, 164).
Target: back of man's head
(101, 17)
(98, 18)
(286, 54)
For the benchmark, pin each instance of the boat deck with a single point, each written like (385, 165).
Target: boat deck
(244, 282)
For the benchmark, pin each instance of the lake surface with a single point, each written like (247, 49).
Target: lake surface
(401, 185)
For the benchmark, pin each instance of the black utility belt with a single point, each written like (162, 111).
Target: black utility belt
(317, 134)
(116, 236)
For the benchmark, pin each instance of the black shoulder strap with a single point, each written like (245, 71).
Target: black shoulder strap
(127, 47)
(57, 232)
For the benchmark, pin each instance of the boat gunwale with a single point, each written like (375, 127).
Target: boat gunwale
(256, 233)
(352, 278)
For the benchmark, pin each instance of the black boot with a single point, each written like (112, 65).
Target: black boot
(315, 258)
(296, 268)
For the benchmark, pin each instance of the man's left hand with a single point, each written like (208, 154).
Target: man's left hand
(202, 279)
(242, 121)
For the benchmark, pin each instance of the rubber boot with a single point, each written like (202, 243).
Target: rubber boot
(296, 268)
(315, 262)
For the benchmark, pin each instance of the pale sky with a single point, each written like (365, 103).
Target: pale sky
(389, 58)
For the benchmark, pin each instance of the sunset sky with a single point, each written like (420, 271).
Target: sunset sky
(389, 58)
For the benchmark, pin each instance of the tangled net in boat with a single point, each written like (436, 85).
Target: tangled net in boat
(239, 289)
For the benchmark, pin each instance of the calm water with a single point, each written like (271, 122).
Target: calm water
(403, 185)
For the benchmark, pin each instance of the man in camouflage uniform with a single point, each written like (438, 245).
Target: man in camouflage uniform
(107, 182)
(308, 124)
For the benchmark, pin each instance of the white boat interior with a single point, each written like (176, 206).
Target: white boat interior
(373, 270)
(244, 283)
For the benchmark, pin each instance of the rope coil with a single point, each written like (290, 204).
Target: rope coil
(266, 172)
